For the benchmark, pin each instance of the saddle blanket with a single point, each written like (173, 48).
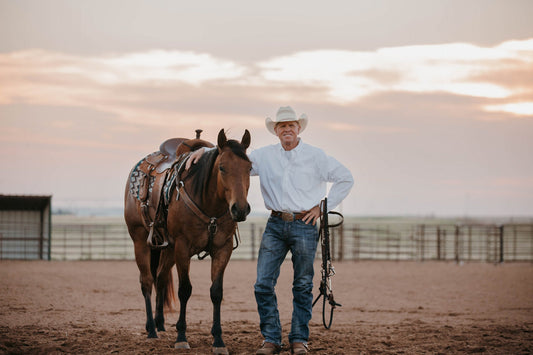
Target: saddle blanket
(138, 177)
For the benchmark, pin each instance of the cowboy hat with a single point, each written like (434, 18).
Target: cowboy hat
(285, 114)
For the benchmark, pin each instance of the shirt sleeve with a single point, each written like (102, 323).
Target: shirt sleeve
(253, 156)
(341, 179)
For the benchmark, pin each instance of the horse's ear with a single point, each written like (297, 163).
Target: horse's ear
(222, 140)
(245, 141)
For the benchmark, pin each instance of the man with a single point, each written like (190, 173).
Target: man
(293, 177)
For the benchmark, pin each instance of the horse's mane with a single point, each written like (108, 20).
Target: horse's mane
(201, 171)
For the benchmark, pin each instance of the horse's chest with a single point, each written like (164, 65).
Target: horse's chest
(197, 233)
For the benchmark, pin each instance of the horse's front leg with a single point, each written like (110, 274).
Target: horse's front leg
(218, 266)
(184, 293)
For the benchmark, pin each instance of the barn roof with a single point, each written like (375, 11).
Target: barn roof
(24, 202)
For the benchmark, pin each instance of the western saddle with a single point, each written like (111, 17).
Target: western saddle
(157, 173)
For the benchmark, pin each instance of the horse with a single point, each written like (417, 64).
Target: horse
(204, 207)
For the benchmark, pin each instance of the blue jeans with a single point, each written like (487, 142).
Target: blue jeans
(280, 237)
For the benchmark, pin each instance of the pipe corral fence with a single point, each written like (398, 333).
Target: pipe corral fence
(459, 243)
(493, 243)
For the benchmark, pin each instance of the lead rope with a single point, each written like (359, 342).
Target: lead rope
(237, 236)
(212, 230)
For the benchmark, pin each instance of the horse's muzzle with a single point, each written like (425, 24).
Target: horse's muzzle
(239, 214)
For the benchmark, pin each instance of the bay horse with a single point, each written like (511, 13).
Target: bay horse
(215, 190)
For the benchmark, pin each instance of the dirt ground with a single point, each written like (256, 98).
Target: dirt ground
(387, 308)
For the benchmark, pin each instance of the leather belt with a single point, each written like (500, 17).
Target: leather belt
(289, 216)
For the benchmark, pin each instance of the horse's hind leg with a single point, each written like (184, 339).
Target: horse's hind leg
(142, 257)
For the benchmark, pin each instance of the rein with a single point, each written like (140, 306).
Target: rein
(325, 289)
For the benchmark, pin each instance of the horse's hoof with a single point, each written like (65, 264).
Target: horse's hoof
(152, 335)
(220, 351)
(182, 345)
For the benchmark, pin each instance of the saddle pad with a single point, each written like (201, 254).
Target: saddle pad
(169, 188)
(136, 178)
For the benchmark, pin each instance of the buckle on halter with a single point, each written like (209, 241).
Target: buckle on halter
(179, 185)
(287, 216)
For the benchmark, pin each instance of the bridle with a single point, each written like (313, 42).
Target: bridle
(328, 271)
(211, 222)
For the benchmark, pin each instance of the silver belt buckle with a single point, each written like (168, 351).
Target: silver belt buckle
(287, 216)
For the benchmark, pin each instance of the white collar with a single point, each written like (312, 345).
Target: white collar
(295, 149)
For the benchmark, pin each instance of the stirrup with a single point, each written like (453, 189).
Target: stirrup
(150, 239)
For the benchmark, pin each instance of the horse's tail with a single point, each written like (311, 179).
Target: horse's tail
(170, 297)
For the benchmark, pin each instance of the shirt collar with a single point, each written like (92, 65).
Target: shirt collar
(295, 150)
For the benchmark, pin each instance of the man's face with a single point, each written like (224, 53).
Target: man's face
(287, 132)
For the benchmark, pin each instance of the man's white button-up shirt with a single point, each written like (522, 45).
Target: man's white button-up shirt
(296, 180)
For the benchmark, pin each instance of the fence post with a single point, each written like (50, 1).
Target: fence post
(253, 241)
(82, 241)
(469, 242)
(356, 243)
(341, 242)
(457, 244)
(387, 242)
(438, 243)
(41, 234)
(64, 243)
(531, 240)
(105, 242)
(501, 243)
(423, 242)
(514, 242)
(444, 234)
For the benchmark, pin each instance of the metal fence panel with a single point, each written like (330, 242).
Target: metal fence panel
(23, 235)
(444, 242)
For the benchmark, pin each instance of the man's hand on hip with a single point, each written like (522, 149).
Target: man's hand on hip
(312, 215)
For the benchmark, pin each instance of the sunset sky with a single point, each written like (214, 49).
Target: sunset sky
(428, 103)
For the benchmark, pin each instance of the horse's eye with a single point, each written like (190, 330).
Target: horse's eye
(221, 168)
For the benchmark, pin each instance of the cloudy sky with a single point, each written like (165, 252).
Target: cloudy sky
(428, 103)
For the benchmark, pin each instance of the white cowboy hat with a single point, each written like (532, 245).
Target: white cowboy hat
(286, 114)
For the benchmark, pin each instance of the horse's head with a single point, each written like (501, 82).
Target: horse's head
(233, 179)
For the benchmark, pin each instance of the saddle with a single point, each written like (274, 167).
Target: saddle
(172, 148)
(157, 175)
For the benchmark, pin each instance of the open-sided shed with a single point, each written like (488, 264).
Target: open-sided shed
(25, 227)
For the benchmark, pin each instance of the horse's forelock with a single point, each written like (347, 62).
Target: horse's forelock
(237, 149)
